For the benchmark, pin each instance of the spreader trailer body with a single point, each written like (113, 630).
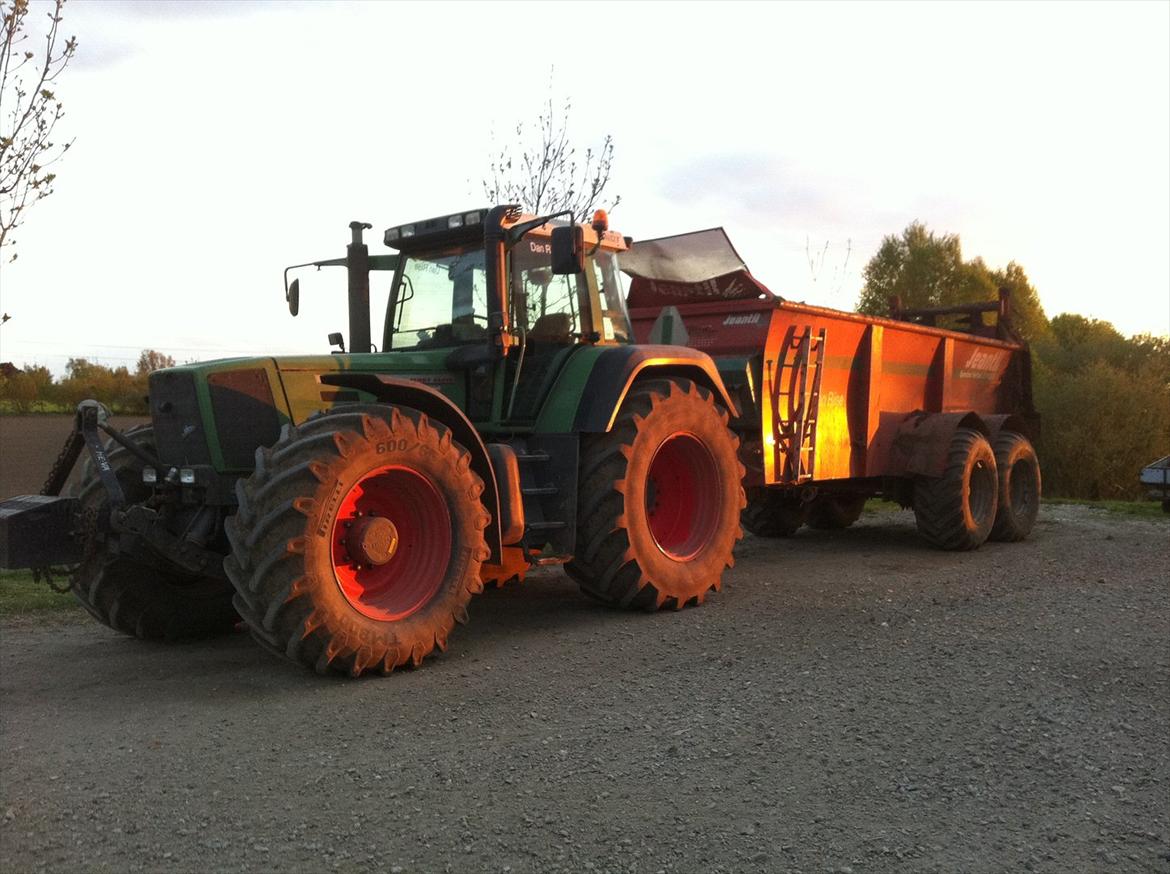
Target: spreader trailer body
(835, 407)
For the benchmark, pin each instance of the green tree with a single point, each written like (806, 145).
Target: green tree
(924, 269)
(920, 267)
(20, 391)
(1073, 342)
(151, 360)
(117, 388)
(1101, 423)
(1104, 401)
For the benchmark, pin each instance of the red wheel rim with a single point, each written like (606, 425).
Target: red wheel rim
(682, 496)
(391, 543)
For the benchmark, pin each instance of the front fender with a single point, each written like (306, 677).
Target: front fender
(598, 383)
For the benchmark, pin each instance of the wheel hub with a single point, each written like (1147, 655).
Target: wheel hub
(681, 486)
(375, 540)
(392, 542)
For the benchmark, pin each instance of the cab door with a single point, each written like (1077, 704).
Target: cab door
(550, 316)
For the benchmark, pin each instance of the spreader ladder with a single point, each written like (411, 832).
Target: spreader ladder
(798, 396)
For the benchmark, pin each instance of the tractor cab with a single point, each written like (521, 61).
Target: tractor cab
(487, 305)
(447, 291)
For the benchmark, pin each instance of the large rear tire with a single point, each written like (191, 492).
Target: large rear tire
(358, 541)
(773, 512)
(659, 500)
(133, 597)
(957, 510)
(1019, 487)
(835, 512)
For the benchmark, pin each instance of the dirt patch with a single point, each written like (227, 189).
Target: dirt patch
(30, 444)
(851, 701)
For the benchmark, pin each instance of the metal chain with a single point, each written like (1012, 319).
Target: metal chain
(66, 457)
(87, 530)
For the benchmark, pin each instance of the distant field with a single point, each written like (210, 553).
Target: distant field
(29, 446)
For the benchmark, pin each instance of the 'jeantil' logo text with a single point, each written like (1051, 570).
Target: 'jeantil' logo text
(983, 364)
(747, 319)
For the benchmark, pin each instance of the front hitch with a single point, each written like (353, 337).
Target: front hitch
(92, 416)
(47, 530)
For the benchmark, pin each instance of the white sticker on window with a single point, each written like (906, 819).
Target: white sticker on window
(607, 327)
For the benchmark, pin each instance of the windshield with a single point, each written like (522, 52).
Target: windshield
(442, 299)
(615, 321)
(545, 306)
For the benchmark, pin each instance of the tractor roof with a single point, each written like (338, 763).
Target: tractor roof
(467, 226)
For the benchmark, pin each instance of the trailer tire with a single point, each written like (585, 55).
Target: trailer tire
(358, 541)
(659, 500)
(835, 512)
(956, 511)
(135, 598)
(1019, 487)
(772, 512)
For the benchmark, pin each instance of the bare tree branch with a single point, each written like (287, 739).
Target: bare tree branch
(29, 112)
(539, 168)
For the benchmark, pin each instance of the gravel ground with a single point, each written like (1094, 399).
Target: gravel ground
(850, 702)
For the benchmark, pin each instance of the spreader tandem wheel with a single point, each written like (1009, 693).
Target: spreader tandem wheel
(956, 510)
(358, 541)
(659, 502)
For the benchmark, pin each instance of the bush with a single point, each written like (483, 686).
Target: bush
(1105, 408)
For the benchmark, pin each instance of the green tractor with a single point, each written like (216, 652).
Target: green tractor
(347, 506)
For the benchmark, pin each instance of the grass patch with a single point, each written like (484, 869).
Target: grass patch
(21, 596)
(1144, 509)
(47, 408)
(1147, 509)
(881, 505)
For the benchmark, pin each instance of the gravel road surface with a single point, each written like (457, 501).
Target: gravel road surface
(850, 702)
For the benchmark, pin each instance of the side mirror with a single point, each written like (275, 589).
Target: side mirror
(293, 296)
(335, 339)
(568, 250)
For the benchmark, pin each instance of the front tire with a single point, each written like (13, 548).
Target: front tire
(957, 510)
(358, 541)
(660, 495)
(133, 597)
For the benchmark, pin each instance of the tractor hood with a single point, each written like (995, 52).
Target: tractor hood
(218, 412)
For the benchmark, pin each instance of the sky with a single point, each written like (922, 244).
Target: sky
(215, 143)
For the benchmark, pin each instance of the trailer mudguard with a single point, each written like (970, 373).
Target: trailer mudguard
(1008, 422)
(616, 368)
(408, 393)
(922, 440)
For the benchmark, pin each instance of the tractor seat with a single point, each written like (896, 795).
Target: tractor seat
(552, 328)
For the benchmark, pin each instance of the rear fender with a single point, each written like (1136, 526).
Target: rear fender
(922, 440)
(1008, 422)
(619, 367)
(408, 393)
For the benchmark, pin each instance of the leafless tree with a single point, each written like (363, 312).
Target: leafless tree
(816, 264)
(29, 111)
(542, 170)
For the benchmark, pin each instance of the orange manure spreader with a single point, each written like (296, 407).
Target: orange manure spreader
(836, 407)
